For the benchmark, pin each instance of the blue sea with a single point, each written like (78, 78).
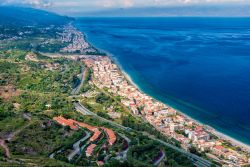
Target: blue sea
(200, 66)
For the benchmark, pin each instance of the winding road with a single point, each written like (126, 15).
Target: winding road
(123, 155)
(80, 108)
(77, 88)
(77, 147)
(198, 161)
(156, 163)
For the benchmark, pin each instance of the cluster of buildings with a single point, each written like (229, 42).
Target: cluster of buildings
(12, 34)
(49, 66)
(229, 154)
(31, 57)
(165, 119)
(76, 40)
(7, 34)
(75, 125)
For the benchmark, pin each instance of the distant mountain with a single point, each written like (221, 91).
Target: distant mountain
(20, 16)
(195, 10)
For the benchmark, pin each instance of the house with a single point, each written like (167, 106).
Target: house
(111, 135)
(173, 127)
(89, 150)
(61, 120)
(95, 136)
(100, 163)
(75, 124)
(219, 150)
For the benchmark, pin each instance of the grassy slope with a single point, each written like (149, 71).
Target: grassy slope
(39, 135)
(34, 135)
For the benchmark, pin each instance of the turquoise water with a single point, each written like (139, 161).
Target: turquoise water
(200, 66)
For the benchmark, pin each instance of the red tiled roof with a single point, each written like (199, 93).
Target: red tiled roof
(97, 133)
(219, 147)
(198, 128)
(61, 120)
(73, 125)
(100, 163)
(95, 136)
(111, 135)
(89, 127)
(89, 62)
(90, 149)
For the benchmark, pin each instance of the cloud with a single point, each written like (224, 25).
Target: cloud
(113, 3)
(36, 3)
(117, 3)
(201, 2)
(128, 3)
(80, 6)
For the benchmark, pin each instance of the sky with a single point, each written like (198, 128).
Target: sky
(78, 7)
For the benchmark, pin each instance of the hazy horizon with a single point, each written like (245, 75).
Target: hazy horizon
(133, 8)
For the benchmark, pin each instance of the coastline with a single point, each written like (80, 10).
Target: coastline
(210, 129)
(219, 134)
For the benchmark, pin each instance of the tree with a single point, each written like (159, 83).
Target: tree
(101, 98)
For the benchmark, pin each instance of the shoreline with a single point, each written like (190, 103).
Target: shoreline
(210, 129)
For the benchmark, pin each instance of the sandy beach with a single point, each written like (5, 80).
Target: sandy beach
(215, 132)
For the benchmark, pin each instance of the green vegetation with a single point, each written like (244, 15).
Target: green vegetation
(143, 154)
(139, 125)
(33, 160)
(88, 74)
(174, 158)
(42, 137)
(102, 98)
(86, 86)
(38, 74)
(35, 88)
(145, 151)
(31, 38)
(2, 152)
(26, 116)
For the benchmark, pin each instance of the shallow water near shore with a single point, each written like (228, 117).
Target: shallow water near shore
(200, 66)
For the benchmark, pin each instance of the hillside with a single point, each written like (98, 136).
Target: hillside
(18, 16)
(52, 113)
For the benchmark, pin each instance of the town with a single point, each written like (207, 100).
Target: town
(64, 103)
(76, 41)
(164, 118)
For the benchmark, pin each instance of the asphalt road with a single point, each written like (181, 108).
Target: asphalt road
(198, 161)
(76, 146)
(77, 89)
(80, 108)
